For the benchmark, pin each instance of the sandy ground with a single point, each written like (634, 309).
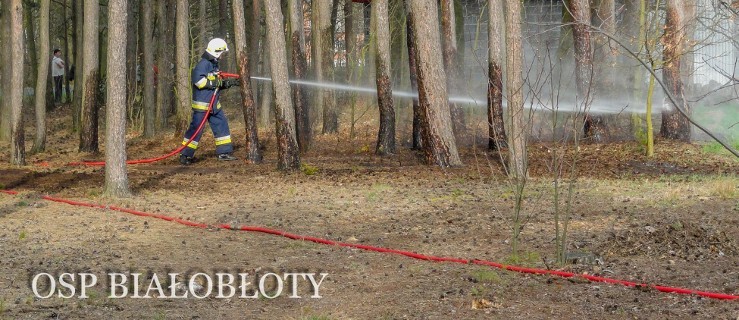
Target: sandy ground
(670, 220)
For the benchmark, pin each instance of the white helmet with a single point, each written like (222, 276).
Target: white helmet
(216, 47)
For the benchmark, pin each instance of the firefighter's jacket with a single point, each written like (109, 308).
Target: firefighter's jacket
(206, 70)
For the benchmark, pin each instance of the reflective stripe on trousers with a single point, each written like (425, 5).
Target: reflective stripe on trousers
(219, 126)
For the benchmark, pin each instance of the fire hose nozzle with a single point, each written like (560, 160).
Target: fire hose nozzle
(227, 75)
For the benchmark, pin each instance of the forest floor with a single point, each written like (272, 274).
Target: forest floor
(671, 220)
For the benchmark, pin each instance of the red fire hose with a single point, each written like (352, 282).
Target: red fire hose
(175, 151)
(564, 274)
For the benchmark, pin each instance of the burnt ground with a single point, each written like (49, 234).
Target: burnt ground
(671, 220)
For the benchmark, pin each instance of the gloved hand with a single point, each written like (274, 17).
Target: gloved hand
(215, 83)
(228, 83)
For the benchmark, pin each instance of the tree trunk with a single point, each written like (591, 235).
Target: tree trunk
(386, 134)
(459, 25)
(315, 47)
(398, 47)
(606, 53)
(366, 27)
(323, 63)
(15, 94)
(164, 78)
(253, 154)
(102, 52)
(633, 34)
(565, 58)
(147, 51)
(182, 47)
(351, 25)
(496, 126)
(288, 156)
(171, 56)
(630, 31)
(687, 68)
(116, 176)
(514, 85)
(254, 46)
(267, 93)
(350, 40)
(451, 65)
(68, 52)
(31, 53)
(674, 125)
(605, 18)
(202, 25)
(335, 4)
(413, 75)
(580, 10)
(223, 28)
(90, 79)
(338, 96)
(79, 64)
(5, 105)
(132, 49)
(440, 146)
(735, 39)
(39, 143)
(49, 99)
(49, 96)
(299, 69)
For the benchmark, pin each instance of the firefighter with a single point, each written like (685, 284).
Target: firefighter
(204, 81)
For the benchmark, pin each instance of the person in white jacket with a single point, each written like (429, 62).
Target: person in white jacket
(57, 72)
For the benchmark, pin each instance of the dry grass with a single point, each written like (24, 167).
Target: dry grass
(724, 189)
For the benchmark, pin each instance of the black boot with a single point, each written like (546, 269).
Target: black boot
(185, 160)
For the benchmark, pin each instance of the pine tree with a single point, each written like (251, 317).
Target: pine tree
(439, 144)
(381, 30)
(42, 77)
(90, 78)
(496, 47)
(116, 176)
(15, 79)
(288, 155)
(253, 154)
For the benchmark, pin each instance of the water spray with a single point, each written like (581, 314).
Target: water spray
(597, 107)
